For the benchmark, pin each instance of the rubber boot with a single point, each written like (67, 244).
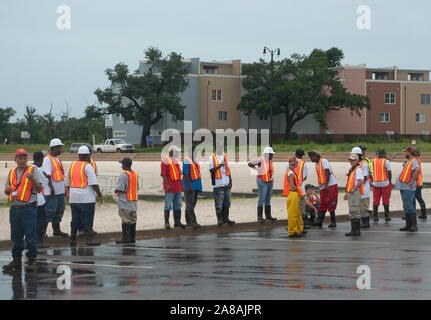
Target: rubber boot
(268, 214)
(320, 218)
(177, 220)
(219, 216)
(57, 231)
(333, 220)
(260, 214)
(133, 233)
(387, 217)
(408, 224)
(167, 226)
(413, 222)
(126, 230)
(365, 223)
(73, 233)
(225, 215)
(423, 212)
(376, 213)
(31, 264)
(356, 230)
(89, 236)
(312, 218)
(14, 265)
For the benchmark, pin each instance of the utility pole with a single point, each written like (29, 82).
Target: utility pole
(277, 51)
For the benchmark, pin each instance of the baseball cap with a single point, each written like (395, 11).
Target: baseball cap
(55, 142)
(353, 156)
(83, 150)
(126, 161)
(268, 150)
(362, 147)
(20, 152)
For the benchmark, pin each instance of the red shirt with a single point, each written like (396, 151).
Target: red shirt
(176, 186)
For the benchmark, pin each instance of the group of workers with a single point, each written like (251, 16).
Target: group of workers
(37, 193)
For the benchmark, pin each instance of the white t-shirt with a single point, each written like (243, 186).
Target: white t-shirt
(44, 182)
(87, 194)
(224, 181)
(366, 173)
(332, 181)
(47, 168)
(382, 184)
(359, 176)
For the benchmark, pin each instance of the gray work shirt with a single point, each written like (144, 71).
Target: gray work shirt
(33, 198)
(405, 186)
(122, 185)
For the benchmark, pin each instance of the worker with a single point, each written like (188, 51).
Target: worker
(328, 189)
(265, 183)
(21, 187)
(221, 179)
(418, 194)
(365, 197)
(368, 161)
(407, 182)
(354, 190)
(292, 190)
(302, 173)
(173, 187)
(82, 185)
(312, 202)
(55, 193)
(192, 184)
(382, 184)
(127, 191)
(41, 209)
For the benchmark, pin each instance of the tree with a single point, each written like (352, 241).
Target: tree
(5, 115)
(33, 124)
(301, 86)
(144, 98)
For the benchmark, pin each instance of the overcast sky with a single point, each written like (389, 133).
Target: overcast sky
(41, 64)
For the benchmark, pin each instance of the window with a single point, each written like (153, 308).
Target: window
(118, 134)
(380, 76)
(222, 115)
(263, 117)
(420, 117)
(210, 69)
(122, 119)
(390, 98)
(416, 77)
(216, 95)
(385, 117)
(426, 98)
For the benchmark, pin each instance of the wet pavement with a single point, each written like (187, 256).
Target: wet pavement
(263, 264)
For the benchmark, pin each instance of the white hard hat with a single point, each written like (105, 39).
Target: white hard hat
(357, 150)
(55, 142)
(268, 150)
(83, 150)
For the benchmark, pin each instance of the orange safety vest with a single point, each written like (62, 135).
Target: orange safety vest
(195, 170)
(78, 178)
(286, 184)
(132, 186)
(351, 181)
(93, 164)
(420, 177)
(216, 164)
(174, 170)
(268, 170)
(380, 173)
(57, 173)
(299, 170)
(321, 176)
(23, 188)
(406, 174)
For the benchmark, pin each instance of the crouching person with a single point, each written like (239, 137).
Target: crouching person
(82, 183)
(127, 191)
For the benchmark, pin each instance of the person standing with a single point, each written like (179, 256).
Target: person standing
(221, 179)
(41, 210)
(382, 184)
(292, 190)
(127, 191)
(265, 183)
(192, 185)
(54, 194)
(328, 189)
(173, 187)
(82, 184)
(406, 182)
(418, 194)
(365, 197)
(302, 173)
(354, 189)
(22, 186)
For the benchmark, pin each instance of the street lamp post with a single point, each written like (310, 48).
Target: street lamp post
(277, 51)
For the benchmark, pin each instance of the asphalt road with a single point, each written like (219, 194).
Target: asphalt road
(263, 264)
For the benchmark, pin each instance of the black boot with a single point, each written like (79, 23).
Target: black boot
(31, 264)
(57, 231)
(356, 230)
(15, 265)
(312, 218)
(133, 233)
(40, 244)
(89, 236)
(177, 220)
(320, 218)
(268, 214)
(376, 213)
(365, 223)
(167, 226)
(423, 212)
(260, 214)
(408, 223)
(225, 215)
(219, 214)
(387, 217)
(413, 222)
(73, 233)
(125, 227)
(333, 221)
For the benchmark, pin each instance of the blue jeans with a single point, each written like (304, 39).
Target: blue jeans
(91, 220)
(173, 200)
(54, 208)
(265, 193)
(222, 197)
(81, 214)
(418, 196)
(23, 222)
(409, 202)
(41, 221)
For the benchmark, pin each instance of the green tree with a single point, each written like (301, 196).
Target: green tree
(299, 86)
(33, 124)
(145, 98)
(5, 115)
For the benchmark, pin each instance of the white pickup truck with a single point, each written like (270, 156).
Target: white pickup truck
(114, 145)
